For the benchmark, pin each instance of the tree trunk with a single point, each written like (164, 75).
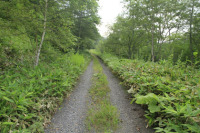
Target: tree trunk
(169, 36)
(129, 51)
(36, 49)
(152, 46)
(191, 21)
(129, 48)
(152, 35)
(43, 34)
(79, 31)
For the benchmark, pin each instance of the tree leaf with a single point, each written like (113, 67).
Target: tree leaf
(8, 99)
(8, 123)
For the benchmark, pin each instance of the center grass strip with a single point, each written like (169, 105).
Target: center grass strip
(101, 116)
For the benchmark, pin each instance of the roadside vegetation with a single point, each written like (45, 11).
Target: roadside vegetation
(101, 116)
(42, 44)
(30, 96)
(170, 93)
(154, 30)
(154, 47)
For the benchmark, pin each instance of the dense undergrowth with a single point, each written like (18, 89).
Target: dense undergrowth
(170, 92)
(28, 97)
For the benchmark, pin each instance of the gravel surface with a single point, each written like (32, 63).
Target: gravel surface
(131, 115)
(71, 117)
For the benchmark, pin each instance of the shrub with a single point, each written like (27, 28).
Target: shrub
(171, 92)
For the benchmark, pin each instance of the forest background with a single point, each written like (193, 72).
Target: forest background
(43, 47)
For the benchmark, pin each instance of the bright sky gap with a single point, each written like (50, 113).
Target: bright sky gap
(108, 11)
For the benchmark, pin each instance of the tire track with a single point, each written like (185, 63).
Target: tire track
(71, 117)
(131, 115)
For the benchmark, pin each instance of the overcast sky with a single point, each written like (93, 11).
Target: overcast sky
(108, 11)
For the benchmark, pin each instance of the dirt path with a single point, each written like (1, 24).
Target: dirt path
(131, 115)
(71, 117)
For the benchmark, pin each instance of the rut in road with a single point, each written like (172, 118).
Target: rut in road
(71, 117)
(131, 115)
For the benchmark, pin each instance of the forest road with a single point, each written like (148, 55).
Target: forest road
(71, 117)
(131, 115)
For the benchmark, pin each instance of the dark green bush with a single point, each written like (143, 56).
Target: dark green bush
(171, 92)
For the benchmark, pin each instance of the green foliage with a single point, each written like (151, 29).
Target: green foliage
(171, 92)
(77, 59)
(22, 25)
(28, 97)
(85, 20)
(104, 118)
(156, 29)
(151, 100)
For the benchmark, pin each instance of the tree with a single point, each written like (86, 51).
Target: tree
(43, 34)
(24, 24)
(85, 20)
(149, 28)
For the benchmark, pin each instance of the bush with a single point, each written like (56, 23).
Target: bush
(171, 93)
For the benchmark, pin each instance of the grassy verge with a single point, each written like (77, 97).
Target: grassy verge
(28, 97)
(170, 93)
(102, 116)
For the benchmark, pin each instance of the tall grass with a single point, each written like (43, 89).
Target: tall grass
(28, 97)
(77, 59)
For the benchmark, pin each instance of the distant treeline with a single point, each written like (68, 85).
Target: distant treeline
(155, 30)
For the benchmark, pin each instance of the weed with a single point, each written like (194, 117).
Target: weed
(102, 116)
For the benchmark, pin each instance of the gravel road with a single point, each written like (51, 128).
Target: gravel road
(71, 117)
(131, 115)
